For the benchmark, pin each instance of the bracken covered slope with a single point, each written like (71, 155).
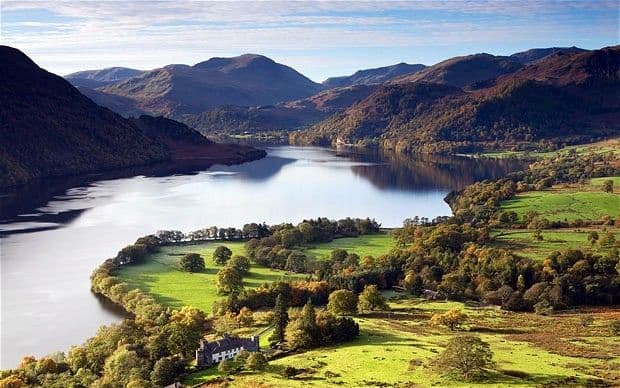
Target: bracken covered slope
(562, 98)
(47, 127)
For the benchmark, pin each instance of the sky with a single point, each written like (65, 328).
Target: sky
(319, 39)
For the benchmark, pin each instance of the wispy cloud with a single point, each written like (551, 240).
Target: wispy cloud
(319, 38)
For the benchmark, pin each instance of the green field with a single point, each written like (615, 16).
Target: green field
(561, 204)
(161, 278)
(396, 349)
(367, 245)
(602, 147)
(525, 244)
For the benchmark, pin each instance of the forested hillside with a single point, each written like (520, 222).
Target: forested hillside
(563, 98)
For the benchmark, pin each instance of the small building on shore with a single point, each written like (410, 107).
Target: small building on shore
(212, 352)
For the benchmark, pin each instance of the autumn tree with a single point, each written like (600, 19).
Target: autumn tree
(245, 317)
(228, 280)
(371, 299)
(303, 331)
(452, 319)
(467, 355)
(256, 361)
(342, 302)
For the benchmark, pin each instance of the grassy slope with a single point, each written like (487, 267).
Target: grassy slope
(569, 202)
(382, 354)
(161, 278)
(560, 205)
(586, 202)
(605, 146)
(374, 245)
(524, 243)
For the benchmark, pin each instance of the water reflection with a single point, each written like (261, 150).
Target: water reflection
(57, 232)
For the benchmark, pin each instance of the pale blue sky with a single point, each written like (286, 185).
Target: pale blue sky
(319, 39)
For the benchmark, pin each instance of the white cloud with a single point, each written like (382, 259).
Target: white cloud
(147, 34)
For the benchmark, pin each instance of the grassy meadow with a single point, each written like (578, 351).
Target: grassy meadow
(161, 277)
(523, 242)
(565, 205)
(601, 147)
(367, 245)
(569, 202)
(396, 348)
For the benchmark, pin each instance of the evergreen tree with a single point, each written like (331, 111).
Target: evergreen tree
(280, 319)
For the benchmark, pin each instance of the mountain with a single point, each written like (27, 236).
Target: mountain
(467, 71)
(377, 75)
(536, 54)
(124, 106)
(48, 128)
(286, 116)
(246, 80)
(101, 77)
(563, 98)
(185, 143)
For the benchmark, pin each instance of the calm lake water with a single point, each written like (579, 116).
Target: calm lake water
(55, 234)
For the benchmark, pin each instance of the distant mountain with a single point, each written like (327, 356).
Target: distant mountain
(186, 143)
(124, 106)
(48, 128)
(562, 98)
(533, 55)
(101, 77)
(467, 71)
(287, 116)
(246, 80)
(377, 75)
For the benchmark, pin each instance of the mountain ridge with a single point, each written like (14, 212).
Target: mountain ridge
(562, 98)
(375, 75)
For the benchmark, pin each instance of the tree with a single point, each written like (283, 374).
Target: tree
(593, 237)
(221, 255)
(538, 235)
(226, 324)
(303, 331)
(245, 317)
(241, 263)
(296, 262)
(256, 361)
(225, 367)
(280, 319)
(122, 365)
(192, 262)
(608, 186)
(342, 302)
(452, 319)
(228, 280)
(371, 299)
(165, 371)
(467, 354)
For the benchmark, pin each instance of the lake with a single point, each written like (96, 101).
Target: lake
(55, 233)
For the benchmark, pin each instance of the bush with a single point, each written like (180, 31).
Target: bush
(615, 327)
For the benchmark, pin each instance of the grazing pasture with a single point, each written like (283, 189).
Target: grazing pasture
(397, 348)
(161, 277)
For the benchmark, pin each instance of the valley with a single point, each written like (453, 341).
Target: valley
(309, 194)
